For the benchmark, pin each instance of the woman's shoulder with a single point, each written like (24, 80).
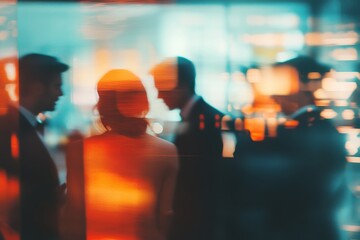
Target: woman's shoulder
(160, 143)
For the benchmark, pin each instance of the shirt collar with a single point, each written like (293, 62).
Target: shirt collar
(185, 111)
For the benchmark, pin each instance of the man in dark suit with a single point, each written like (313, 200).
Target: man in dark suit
(296, 184)
(40, 82)
(199, 143)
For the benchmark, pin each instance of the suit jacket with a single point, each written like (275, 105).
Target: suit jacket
(37, 215)
(293, 182)
(199, 144)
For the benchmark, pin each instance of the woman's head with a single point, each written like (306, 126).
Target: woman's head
(122, 96)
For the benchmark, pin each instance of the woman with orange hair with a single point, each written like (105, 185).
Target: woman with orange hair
(129, 175)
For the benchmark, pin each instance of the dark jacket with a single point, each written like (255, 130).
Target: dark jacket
(292, 185)
(199, 144)
(38, 213)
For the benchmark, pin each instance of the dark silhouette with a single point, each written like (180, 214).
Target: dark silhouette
(37, 215)
(294, 184)
(129, 175)
(199, 143)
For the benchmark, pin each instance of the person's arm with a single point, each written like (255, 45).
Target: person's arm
(167, 194)
(74, 218)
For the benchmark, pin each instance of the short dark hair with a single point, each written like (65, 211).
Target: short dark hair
(35, 67)
(186, 73)
(305, 65)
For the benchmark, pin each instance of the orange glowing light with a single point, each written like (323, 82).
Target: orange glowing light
(348, 114)
(113, 201)
(314, 75)
(280, 80)
(331, 84)
(253, 75)
(320, 94)
(341, 103)
(272, 124)
(3, 183)
(256, 127)
(347, 54)
(291, 123)
(353, 159)
(14, 146)
(328, 113)
(110, 192)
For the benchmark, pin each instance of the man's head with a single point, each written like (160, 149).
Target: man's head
(40, 82)
(175, 80)
(303, 75)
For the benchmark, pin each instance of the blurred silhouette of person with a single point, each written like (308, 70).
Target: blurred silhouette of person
(130, 175)
(199, 143)
(294, 184)
(40, 82)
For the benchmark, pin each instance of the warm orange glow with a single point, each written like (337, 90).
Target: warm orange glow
(331, 84)
(328, 113)
(11, 90)
(14, 146)
(272, 125)
(340, 103)
(320, 94)
(353, 159)
(119, 80)
(291, 124)
(165, 75)
(3, 184)
(229, 142)
(328, 38)
(280, 80)
(323, 103)
(348, 130)
(348, 114)
(346, 54)
(256, 126)
(253, 75)
(314, 75)
(10, 70)
(9, 194)
(111, 192)
(120, 189)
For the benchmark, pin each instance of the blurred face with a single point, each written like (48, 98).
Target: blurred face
(171, 98)
(167, 90)
(50, 93)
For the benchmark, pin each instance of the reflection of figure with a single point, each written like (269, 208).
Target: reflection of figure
(296, 180)
(40, 87)
(199, 144)
(129, 174)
